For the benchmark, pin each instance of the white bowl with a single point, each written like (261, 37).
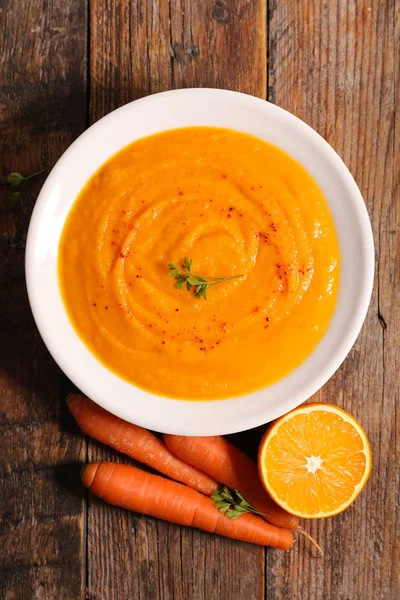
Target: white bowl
(179, 109)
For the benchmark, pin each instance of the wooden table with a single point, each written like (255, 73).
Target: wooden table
(66, 63)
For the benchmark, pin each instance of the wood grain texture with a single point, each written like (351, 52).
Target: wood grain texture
(332, 63)
(335, 65)
(219, 44)
(139, 48)
(42, 109)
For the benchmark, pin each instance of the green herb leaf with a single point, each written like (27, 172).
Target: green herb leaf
(232, 504)
(201, 283)
(192, 280)
(15, 179)
(15, 197)
(201, 291)
(187, 264)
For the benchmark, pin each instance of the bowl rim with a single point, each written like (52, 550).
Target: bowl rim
(201, 426)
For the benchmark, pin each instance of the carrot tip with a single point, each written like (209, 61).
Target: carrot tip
(71, 399)
(88, 474)
(76, 403)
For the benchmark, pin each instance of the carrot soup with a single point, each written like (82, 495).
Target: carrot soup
(247, 218)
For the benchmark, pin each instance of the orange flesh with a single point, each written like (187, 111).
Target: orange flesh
(235, 205)
(316, 463)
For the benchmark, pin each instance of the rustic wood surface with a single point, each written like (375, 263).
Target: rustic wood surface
(63, 65)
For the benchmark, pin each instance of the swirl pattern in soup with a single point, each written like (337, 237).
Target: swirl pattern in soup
(233, 204)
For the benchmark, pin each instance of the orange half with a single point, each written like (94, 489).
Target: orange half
(315, 460)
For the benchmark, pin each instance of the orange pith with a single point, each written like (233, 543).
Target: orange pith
(315, 460)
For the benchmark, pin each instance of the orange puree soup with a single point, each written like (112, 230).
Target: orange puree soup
(233, 204)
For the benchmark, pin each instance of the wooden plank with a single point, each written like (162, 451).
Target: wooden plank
(42, 109)
(332, 64)
(219, 44)
(139, 48)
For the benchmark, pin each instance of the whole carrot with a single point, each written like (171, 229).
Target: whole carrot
(217, 457)
(153, 495)
(136, 442)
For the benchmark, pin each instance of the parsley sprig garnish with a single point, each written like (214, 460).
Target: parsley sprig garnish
(16, 180)
(200, 283)
(232, 503)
